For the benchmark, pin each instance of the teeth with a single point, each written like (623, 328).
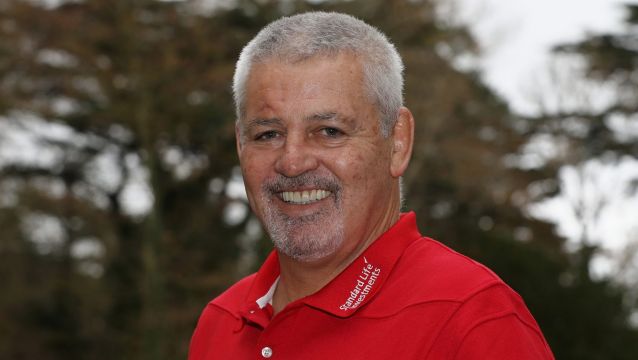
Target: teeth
(304, 197)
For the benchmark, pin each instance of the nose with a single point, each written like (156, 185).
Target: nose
(297, 157)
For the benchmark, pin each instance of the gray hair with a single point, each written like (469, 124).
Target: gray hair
(302, 36)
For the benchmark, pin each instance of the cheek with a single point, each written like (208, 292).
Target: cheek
(253, 176)
(357, 168)
(252, 172)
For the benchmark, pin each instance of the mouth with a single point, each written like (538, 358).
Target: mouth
(304, 197)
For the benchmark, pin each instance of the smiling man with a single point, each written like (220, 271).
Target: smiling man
(323, 139)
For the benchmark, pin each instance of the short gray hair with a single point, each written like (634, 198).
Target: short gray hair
(303, 36)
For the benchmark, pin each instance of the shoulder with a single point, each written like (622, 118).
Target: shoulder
(225, 306)
(465, 301)
(219, 315)
(229, 302)
(235, 296)
(430, 271)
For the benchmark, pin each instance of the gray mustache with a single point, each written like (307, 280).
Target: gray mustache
(282, 183)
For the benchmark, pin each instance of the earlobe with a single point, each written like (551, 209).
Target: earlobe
(403, 139)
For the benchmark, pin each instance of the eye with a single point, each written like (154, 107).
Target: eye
(331, 132)
(266, 135)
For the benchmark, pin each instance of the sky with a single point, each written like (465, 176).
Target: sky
(516, 37)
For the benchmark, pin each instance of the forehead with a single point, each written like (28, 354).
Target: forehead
(319, 83)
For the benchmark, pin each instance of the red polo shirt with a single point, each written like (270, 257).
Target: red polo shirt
(405, 297)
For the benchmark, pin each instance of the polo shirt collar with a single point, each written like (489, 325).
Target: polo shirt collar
(354, 287)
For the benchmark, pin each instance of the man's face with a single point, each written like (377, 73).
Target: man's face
(315, 165)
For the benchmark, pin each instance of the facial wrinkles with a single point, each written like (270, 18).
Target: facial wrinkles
(297, 96)
(292, 95)
(308, 237)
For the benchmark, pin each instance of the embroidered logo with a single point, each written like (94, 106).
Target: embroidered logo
(362, 287)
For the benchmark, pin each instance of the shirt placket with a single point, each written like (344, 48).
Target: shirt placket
(277, 338)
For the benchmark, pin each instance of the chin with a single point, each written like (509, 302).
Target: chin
(306, 241)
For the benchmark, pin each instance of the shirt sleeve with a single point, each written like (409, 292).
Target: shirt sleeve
(492, 323)
(506, 337)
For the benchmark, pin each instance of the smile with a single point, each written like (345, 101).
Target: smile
(304, 197)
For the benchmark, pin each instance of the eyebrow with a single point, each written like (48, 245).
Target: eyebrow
(329, 115)
(320, 116)
(262, 122)
(333, 116)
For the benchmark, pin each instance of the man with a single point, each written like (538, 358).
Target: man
(323, 140)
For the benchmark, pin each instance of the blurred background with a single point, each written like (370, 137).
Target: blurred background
(122, 210)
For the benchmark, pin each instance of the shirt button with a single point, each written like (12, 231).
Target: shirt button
(266, 352)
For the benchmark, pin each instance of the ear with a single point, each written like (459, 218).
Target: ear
(402, 141)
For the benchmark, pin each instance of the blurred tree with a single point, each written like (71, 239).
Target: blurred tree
(591, 119)
(142, 90)
(130, 102)
(609, 60)
(598, 116)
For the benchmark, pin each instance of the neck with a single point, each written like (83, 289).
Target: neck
(299, 279)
